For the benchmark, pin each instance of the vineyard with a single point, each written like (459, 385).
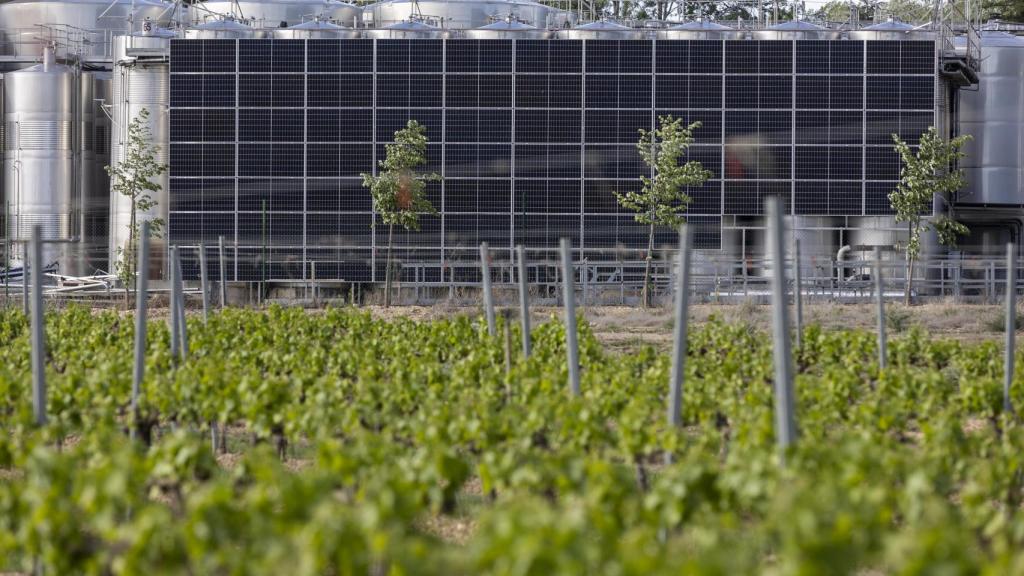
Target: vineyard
(353, 445)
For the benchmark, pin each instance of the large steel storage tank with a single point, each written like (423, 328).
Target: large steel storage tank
(891, 29)
(39, 156)
(994, 116)
(315, 29)
(93, 183)
(78, 25)
(796, 30)
(213, 30)
(507, 29)
(405, 30)
(140, 81)
(601, 30)
(284, 13)
(455, 14)
(700, 30)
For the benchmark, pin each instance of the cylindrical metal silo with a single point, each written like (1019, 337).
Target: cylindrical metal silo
(39, 156)
(891, 29)
(315, 29)
(507, 29)
(137, 84)
(601, 30)
(284, 13)
(407, 29)
(455, 14)
(796, 30)
(93, 181)
(212, 30)
(700, 30)
(994, 116)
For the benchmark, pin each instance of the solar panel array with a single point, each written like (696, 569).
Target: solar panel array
(532, 137)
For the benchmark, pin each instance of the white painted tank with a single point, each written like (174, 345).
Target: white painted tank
(39, 156)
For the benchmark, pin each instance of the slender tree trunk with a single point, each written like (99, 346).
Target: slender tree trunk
(387, 269)
(646, 294)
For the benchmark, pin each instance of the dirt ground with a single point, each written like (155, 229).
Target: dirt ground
(625, 328)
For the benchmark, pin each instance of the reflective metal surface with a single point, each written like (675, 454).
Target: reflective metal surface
(284, 13)
(39, 156)
(315, 29)
(455, 14)
(93, 182)
(601, 30)
(891, 30)
(216, 29)
(796, 30)
(407, 29)
(140, 80)
(700, 30)
(507, 29)
(994, 116)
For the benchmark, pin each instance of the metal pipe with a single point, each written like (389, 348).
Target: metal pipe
(569, 290)
(880, 298)
(1011, 325)
(839, 263)
(785, 420)
(485, 270)
(141, 292)
(173, 304)
(675, 400)
(38, 338)
(223, 273)
(524, 296)
(203, 283)
(798, 299)
(182, 326)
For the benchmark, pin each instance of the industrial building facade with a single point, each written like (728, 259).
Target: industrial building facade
(268, 139)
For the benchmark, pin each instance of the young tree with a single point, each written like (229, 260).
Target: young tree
(928, 172)
(661, 200)
(399, 191)
(135, 178)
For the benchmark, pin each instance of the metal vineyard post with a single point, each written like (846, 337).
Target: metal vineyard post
(38, 337)
(223, 273)
(524, 303)
(141, 289)
(675, 401)
(203, 283)
(785, 420)
(880, 299)
(1011, 324)
(569, 293)
(798, 300)
(485, 272)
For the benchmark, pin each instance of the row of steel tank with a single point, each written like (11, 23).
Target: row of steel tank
(56, 143)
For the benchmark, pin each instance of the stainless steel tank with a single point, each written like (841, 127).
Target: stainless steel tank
(93, 182)
(315, 29)
(140, 81)
(507, 29)
(455, 14)
(891, 29)
(217, 29)
(284, 13)
(796, 30)
(700, 30)
(39, 156)
(77, 26)
(407, 29)
(601, 30)
(994, 116)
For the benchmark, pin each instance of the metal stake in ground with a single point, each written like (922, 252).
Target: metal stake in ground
(223, 273)
(524, 300)
(675, 397)
(785, 419)
(485, 271)
(798, 299)
(182, 326)
(173, 305)
(1011, 324)
(38, 338)
(141, 290)
(24, 285)
(203, 282)
(883, 353)
(569, 294)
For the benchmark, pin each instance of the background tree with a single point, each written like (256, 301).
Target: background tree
(928, 172)
(399, 192)
(135, 178)
(1008, 10)
(661, 200)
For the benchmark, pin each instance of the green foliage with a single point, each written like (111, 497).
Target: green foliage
(662, 200)
(135, 178)
(928, 172)
(399, 191)
(401, 426)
